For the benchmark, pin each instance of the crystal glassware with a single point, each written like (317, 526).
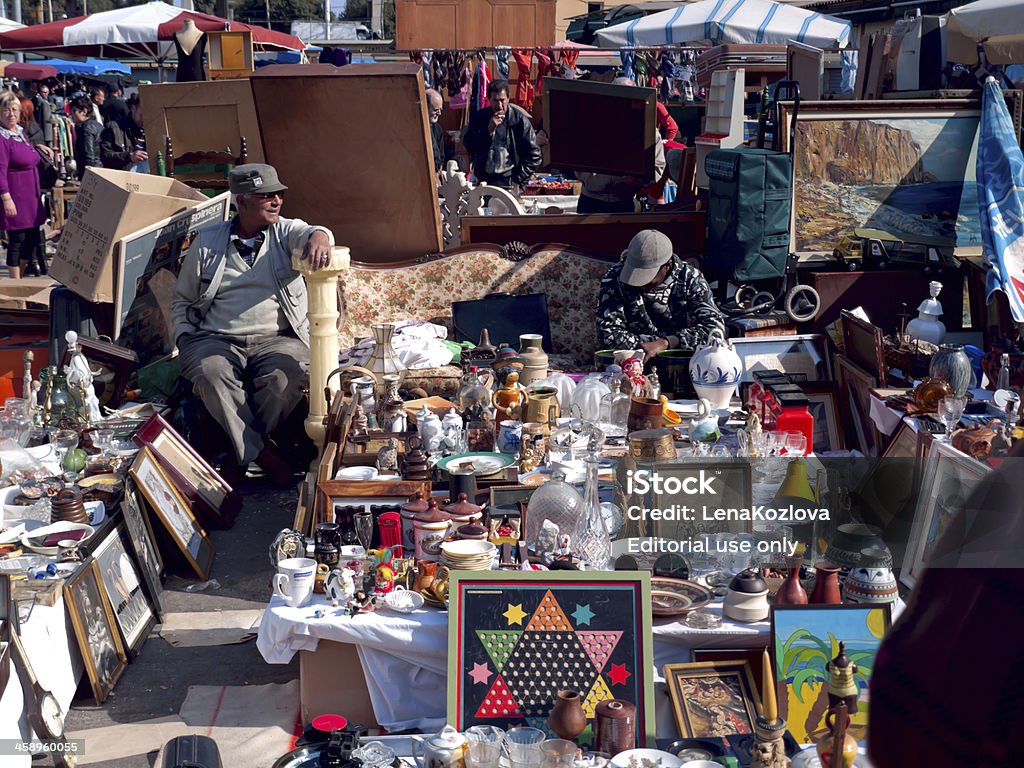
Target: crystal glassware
(363, 524)
(950, 411)
(63, 440)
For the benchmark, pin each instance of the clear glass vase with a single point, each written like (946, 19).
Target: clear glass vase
(593, 545)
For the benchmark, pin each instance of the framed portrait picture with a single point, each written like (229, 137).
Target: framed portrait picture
(828, 426)
(804, 639)
(143, 544)
(948, 478)
(516, 638)
(803, 357)
(215, 502)
(95, 630)
(712, 699)
(123, 587)
(174, 512)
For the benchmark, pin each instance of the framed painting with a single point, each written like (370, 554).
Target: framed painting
(506, 628)
(213, 500)
(174, 512)
(803, 357)
(95, 629)
(753, 656)
(730, 484)
(828, 426)
(903, 167)
(855, 385)
(123, 588)
(712, 699)
(143, 543)
(947, 480)
(804, 639)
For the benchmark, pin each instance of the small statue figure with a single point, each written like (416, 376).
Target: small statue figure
(387, 457)
(753, 425)
(28, 357)
(841, 685)
(769, 754)
(80, 378)
(361, 602)
(838, 749)
(510, 399)
(360, 424)
(633, 370)
(384, 580)
(340, 586)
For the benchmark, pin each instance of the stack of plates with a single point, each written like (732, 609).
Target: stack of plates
(468, 555)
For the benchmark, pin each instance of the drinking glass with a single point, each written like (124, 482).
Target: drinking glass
(63, 440)
(558, 753)
(363, 523)
(484, 746)
(950, 411)
(523, 745)
(102, 439)
(796, 444)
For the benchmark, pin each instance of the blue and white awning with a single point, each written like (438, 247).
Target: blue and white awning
(713, 22)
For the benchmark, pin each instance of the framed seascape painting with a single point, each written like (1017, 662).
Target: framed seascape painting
(95, 629)
(143, 543)
(947, 480)
(713, 698)
(907, 169)
(804, 639)
(515, 639)
(174, 512)
(124, 589)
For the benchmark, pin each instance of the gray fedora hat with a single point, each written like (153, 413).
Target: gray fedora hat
(254, 178)
(647, 253)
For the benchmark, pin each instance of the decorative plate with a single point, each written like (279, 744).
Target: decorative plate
(646, 758)
(480, 463)
(675, 597)
(403, 600)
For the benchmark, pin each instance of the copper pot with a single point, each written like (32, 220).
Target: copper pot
(68, 506)
(645, 413)
(651, 444)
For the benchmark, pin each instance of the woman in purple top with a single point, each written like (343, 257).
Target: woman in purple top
(23, 211)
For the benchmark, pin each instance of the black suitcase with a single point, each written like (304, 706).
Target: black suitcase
(191, 752)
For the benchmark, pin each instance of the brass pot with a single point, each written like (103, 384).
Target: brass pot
(652, 444)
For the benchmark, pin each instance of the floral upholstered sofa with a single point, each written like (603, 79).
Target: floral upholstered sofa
(425, 290)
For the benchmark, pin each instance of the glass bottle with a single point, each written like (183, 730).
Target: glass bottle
(593, 545)
(1003, 380)
(57, 402)
(558, 502)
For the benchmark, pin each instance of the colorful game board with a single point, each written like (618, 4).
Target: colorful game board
(515, 639)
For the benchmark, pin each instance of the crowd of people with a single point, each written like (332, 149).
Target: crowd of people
(50, 132)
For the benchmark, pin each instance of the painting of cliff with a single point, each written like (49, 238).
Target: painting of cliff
(903, 175)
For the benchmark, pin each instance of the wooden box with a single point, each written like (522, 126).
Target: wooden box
(230, 54)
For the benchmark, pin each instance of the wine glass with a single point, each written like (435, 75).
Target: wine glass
(363, 523)
(102, 440)
(796, 444)
(63, 440)
(950, 411)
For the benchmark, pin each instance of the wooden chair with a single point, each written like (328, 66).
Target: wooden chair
(206, 178)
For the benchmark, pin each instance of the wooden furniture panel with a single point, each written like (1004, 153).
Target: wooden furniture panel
(475, 23)
(607, 234)
(382, 205)
(200, 117)
(230, 54)
(516, 22)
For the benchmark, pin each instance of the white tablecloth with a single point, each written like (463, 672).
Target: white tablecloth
(405, 657)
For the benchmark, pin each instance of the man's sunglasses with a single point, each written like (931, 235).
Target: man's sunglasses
(267, 195)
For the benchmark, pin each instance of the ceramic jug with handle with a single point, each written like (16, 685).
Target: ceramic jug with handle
(430, 429)
(715, 370)
(704, 427)
(445, 749)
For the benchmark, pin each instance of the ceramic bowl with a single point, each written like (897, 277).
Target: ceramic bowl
(33, 540)
(642, 758)
(467, 549)
(403, 600)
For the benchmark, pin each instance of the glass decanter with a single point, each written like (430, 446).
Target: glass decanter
(593, 545)
(559, 503)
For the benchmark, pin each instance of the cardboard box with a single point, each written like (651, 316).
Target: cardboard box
(112, 205)
(331, 681)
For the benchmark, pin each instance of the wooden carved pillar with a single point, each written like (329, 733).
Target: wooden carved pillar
(322, 288)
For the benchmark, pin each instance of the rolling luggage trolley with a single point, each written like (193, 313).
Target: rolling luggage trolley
(750, 199)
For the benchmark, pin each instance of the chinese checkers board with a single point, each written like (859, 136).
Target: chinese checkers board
(517, 638)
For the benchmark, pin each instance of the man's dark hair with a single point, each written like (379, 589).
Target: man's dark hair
(496, 87)
(82, 104)
(134, 100)
(114, 89)
(93, 90)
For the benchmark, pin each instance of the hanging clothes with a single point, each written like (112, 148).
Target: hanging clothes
(464, 82)
(428, 69)
(653, 69)
(524, 88)
(628, 59)
(569, 58)
(441, 65)
(416, 57)
(501, 57)
(668, 71)
(640, 68)
(481, 79)
(543, 69)
(456, 73)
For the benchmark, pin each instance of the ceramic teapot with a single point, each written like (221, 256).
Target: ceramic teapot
(715, 370)
(430, 429)
(704, 427)
(340, 586)
(445, 749)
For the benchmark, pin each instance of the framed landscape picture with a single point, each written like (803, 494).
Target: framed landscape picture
(142, 542)
(804, 639)
(95, 629)
(174, 512)
(123, 587)
(712, 699)
(515, 639)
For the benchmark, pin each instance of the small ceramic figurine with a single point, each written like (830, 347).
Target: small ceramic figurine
(79, 376)
(340, 586)
(841, 685)
(510, 399)
(360, 424)
(361, 602)
(633, 369)
(387, 457)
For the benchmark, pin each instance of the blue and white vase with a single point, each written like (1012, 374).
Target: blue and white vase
(715, 370)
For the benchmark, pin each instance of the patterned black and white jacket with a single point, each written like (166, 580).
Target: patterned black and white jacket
(681, 310)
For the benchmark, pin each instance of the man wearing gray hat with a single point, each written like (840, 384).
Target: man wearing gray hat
(240, 321)
(654, 300)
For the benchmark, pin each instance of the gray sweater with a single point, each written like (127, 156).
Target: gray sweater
(213, 296)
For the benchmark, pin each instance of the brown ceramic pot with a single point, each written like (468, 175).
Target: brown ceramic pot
(644, 413)
(567, 718)
(826, 584)
(792, 592)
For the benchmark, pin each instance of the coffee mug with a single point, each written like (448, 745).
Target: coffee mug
(294, 580)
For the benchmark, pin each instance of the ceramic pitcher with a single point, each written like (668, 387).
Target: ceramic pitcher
(715, 370)
(542, 406)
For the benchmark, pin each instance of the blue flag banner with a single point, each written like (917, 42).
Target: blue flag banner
(1001, 200)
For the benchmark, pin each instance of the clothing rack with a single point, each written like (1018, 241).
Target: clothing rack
(550, 48)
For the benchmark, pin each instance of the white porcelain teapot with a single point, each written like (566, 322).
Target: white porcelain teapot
(445, 749)
(430, 429)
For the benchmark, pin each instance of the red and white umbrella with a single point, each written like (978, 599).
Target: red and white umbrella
(138, 31)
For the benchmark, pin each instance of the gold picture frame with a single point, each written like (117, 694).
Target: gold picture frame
(95, 629)
(713, 699)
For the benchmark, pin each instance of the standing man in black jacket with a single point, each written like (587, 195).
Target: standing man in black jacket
(501, 142)
(87, 135)
(123, 142)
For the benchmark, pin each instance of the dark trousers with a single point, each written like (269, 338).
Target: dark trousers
(25, 244)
